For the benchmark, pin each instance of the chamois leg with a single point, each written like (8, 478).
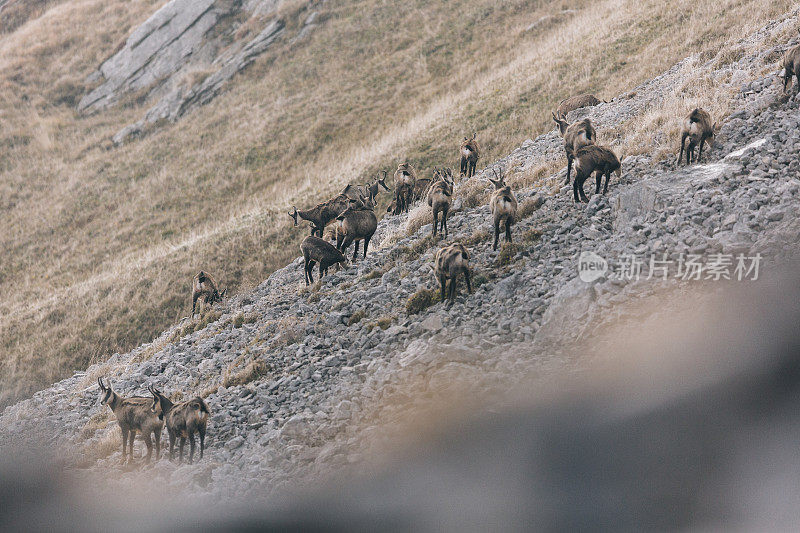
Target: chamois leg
(577, 187)
(355, 251)
(366, 243)
(453, 286)
(689, 153)
(443, 283)
(171, 444)
(194, 302)
(180, 449)
(157, 435)
(131, 437)
(191, 447)
(472, 166)
(435, 221)
(683, 145)
(509, 221)
(202, 432)
(599, 178)
(124, 443)
(605, 187)
(444, 220)
(569, 168)
(464, 166)
(149, 444)
(496, 233)
(700, 153)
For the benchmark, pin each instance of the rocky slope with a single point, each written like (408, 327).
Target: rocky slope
(296, 378)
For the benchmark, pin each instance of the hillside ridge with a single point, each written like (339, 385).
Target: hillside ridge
(300, 381)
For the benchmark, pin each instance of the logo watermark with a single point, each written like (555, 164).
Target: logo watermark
(591, 267)
(686, 267)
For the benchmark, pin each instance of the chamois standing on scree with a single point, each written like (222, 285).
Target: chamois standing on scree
(357, 224)
(590, 159)
(133, 414)
(697, 127)
(576, 102)
(470, 153)
(322, 214)
(576, 136)
(404, 178)
(205, 286)
(791, 67)
(183, 420)
(316, 250)
(449, 262)
(504, 207)
(440, 197)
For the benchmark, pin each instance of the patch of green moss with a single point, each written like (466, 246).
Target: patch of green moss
(507, 253)
(420, 300)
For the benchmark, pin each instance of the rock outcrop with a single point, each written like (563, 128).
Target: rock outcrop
(181, 38)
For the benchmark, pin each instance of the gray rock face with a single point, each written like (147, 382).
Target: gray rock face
(155, 50)
(175, 41)
(321, 372)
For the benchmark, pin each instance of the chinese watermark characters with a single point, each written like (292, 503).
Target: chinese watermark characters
(686, 267)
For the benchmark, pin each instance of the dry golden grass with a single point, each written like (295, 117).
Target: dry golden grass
(99, 244)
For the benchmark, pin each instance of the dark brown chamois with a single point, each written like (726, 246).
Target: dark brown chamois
(322, 214)
(470, 153)
(791, 67)
(183, 420)
(440, 198)
(698, 128)
(576, 102)
(449, 263)
(205, 286)
(597, 159)
(357, 224)
(316, 250)
(133, 414)
(372, 188)
(504, 208)
(404, 179)
(576, 136)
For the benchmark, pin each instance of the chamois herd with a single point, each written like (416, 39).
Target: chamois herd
(349, 218)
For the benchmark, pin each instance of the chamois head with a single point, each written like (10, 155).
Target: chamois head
(499, 183)
(294, 215)
(382, 181)
(562, 123)
(105, 391)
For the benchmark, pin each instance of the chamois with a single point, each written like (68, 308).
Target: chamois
(449, 262)
(133, 414)
(440, 198)
(698, 128)
(316, 250)
(321, 214)
(404, 178)
(791, 67)
(372, 188)
(357, 224)
(470, 153)
(576, 102)
(182, 421)
(576, 136)
(206, 286)
(504, 208)
(590, 159)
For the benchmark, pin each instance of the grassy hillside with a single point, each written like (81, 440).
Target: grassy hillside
(100, 243)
